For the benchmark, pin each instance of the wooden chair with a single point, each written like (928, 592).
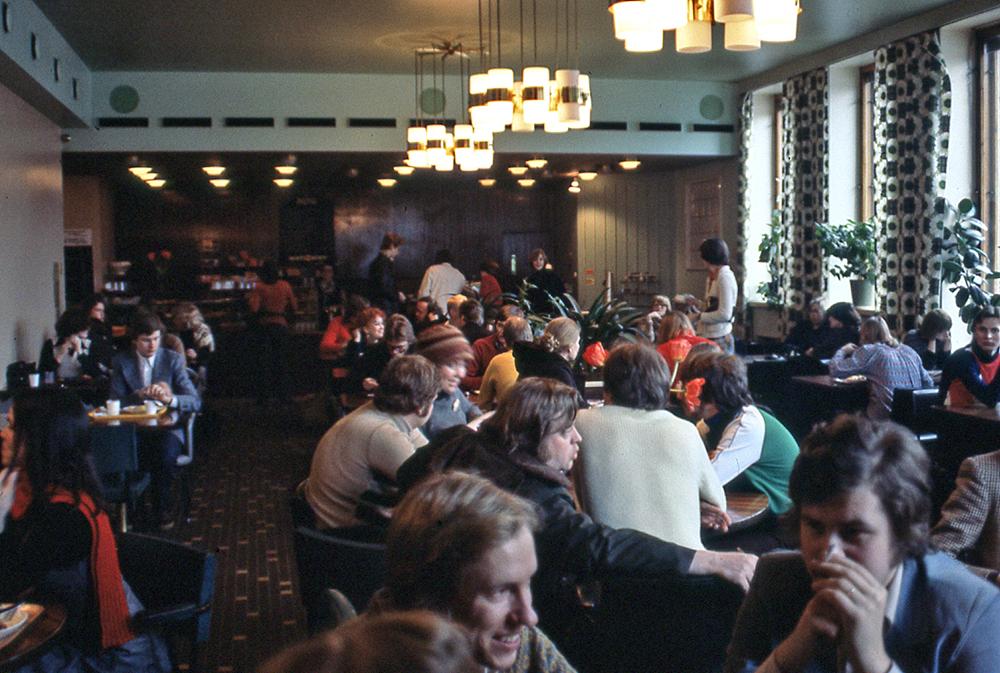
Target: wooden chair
(175, 584)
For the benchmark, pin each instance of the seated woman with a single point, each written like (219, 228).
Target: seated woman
(932, 340)
(448, 350)
(471, 313)
(362, 379)
(659, 307)
(367, 330)
(65, 357)
(864, 592)
(461, 547)
(340, 330)
(970, 376)
(527, 447)
(552, 356)
(675, 326)
(749, 448)
(633, 440)
(101, 349)
(58, 541)
(811, 331)
(887, 364)
(417, 641)
(199, 344)
(844, 322)
(501, 373)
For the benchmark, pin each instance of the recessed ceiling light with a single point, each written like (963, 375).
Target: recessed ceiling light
(387, 182)
(220, 182)
(286, 169)
(149, 176)
(214, 170)
(283, 182)
(403, 170)
(629, 164)
(487, 182)
(156, 183)
(139, 171)
(518, 170)
(536, 163)
(526, 182)
(588, 175)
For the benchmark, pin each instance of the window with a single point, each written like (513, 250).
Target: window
(866, 137)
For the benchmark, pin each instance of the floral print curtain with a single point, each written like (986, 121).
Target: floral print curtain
(805, 168)
(912, 119)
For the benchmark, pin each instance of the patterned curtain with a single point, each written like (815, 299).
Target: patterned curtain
(743, 207)
(805, 168)
(912, 118)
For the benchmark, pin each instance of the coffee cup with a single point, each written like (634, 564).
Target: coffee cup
(33, 380)
(114, 407)
(150, 407)
(49, 377)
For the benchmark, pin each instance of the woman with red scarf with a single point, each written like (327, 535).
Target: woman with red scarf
(57, 545)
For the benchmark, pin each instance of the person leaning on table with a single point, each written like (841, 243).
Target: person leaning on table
(970, 373)
(864, 594)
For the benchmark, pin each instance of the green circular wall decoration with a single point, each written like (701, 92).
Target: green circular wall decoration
(432, 101)
(711, 107)
(123, 99)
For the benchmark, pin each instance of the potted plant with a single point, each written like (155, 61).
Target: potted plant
(964, 264)
(852, 245)
(768, 250)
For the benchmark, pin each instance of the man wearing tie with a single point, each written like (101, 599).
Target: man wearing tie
(149, 372)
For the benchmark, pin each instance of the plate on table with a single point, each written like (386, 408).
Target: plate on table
(12, 621)
(138, 409)
(857, 378)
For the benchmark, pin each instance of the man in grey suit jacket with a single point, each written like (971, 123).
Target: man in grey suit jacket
(969, 528)
(148, 372)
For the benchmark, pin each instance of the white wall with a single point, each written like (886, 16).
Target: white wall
(31, 222)
(762, 189)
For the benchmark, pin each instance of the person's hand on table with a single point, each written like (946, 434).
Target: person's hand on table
(848, 607)
(714, 517)
(159, 392)
(191, 355)
(369, 384)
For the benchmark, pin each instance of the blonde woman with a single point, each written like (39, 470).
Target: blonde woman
(190, 326)
(552, 355)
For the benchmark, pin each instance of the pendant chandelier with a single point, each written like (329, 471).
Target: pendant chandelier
(641, 23)
(498, 101)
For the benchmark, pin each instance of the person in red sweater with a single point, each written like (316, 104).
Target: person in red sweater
(271, 300)
(969, 374)
(488, 347)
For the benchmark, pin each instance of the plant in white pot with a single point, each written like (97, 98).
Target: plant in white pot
(850, 251)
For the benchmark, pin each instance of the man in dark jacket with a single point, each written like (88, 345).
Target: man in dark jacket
(381, 279)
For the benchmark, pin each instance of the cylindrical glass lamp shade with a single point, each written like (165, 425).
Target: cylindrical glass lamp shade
(463, 143)
(742, 36)
(668, 14)
(630, 16)
(646, 41)
(435, 143)
(535, 95)
(416, 138)
(446, 164)
(776, 19)
(586, 104)
(499, 95)
(569, 95)
(482, 142)
(552, 123)
(694, 37)
(727, 11)
(478, 110)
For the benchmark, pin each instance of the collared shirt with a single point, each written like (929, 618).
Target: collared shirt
(146, 365)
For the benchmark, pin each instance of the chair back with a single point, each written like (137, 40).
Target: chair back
(325, 561)
(175, 583)
(912, 408)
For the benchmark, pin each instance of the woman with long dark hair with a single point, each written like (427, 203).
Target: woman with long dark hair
(57, 545)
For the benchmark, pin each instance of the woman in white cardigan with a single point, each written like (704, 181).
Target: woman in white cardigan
(716, 322)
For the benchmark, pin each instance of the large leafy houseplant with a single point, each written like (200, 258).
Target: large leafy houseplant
(850, 249)
(964, 264)
(768, 249)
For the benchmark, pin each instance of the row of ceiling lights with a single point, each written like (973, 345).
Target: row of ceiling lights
(216, 173)
(520, 172)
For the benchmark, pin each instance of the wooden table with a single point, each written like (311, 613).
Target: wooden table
(820, 398)
(745, 509)
(963, 432)
(33, 640)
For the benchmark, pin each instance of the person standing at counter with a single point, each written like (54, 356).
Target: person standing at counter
(382, 276)
(270, 300)
(716, 321)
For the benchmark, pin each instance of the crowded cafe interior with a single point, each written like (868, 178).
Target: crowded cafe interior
(505, 335)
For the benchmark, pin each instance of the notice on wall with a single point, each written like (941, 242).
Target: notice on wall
(77, 238)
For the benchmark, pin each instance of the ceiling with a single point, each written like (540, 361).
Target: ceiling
(379, 36)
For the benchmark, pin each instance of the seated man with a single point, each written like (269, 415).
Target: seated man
(486, 348)
(463, 548)
(149, 372)
(750, 449)
(969, 374)
(633, 440)
(372, 440)
(501, 373)
(969, 528)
